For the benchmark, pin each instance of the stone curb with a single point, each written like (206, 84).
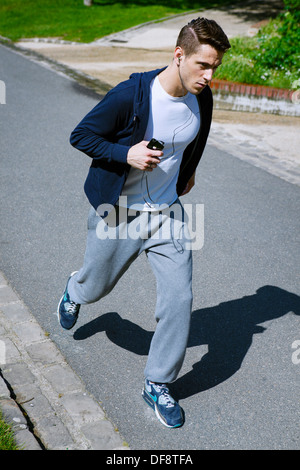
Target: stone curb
(13, 415)
(40, 395)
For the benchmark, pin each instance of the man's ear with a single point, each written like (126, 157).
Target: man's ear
(178, 53)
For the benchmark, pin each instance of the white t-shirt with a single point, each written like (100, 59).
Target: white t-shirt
(175, 121)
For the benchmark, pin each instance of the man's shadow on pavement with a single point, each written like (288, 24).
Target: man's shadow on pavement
(227, 329)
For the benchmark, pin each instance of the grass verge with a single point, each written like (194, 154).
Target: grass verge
(72, 21)
(271, 57)
(7, 439)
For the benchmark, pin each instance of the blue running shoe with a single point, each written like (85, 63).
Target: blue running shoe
(166, 408)
(67, 310)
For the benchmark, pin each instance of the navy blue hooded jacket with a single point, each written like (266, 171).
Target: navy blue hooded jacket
(119, 121)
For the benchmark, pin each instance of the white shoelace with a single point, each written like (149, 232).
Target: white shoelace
(72, 307)
(165, 397)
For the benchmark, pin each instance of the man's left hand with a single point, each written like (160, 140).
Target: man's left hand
(189, 185)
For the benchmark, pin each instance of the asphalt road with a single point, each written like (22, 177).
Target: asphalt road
(239, 386)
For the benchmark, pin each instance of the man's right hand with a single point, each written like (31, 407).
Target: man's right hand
(141, 157)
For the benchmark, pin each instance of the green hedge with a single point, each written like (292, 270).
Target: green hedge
(270, 58)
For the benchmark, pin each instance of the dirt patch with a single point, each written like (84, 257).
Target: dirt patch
(254, 119)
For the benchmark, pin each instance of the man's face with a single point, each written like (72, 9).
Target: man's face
(196, 70)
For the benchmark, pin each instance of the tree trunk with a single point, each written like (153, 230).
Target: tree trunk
(88, 3)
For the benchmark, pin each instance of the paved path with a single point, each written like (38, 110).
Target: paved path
(238, 386)
(42, 398)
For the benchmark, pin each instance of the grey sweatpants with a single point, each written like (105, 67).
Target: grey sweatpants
(113, 243)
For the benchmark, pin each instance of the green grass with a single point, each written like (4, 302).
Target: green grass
(242, 64)
(7, 440)
(72, 21)
(270, 58)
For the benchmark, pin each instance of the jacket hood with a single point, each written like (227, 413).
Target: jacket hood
(148, 76)
(143, 81)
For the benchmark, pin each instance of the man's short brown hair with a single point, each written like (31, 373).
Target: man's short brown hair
(202, 31)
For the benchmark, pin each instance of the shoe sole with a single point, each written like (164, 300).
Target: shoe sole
(58, 314)
(153, 405)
